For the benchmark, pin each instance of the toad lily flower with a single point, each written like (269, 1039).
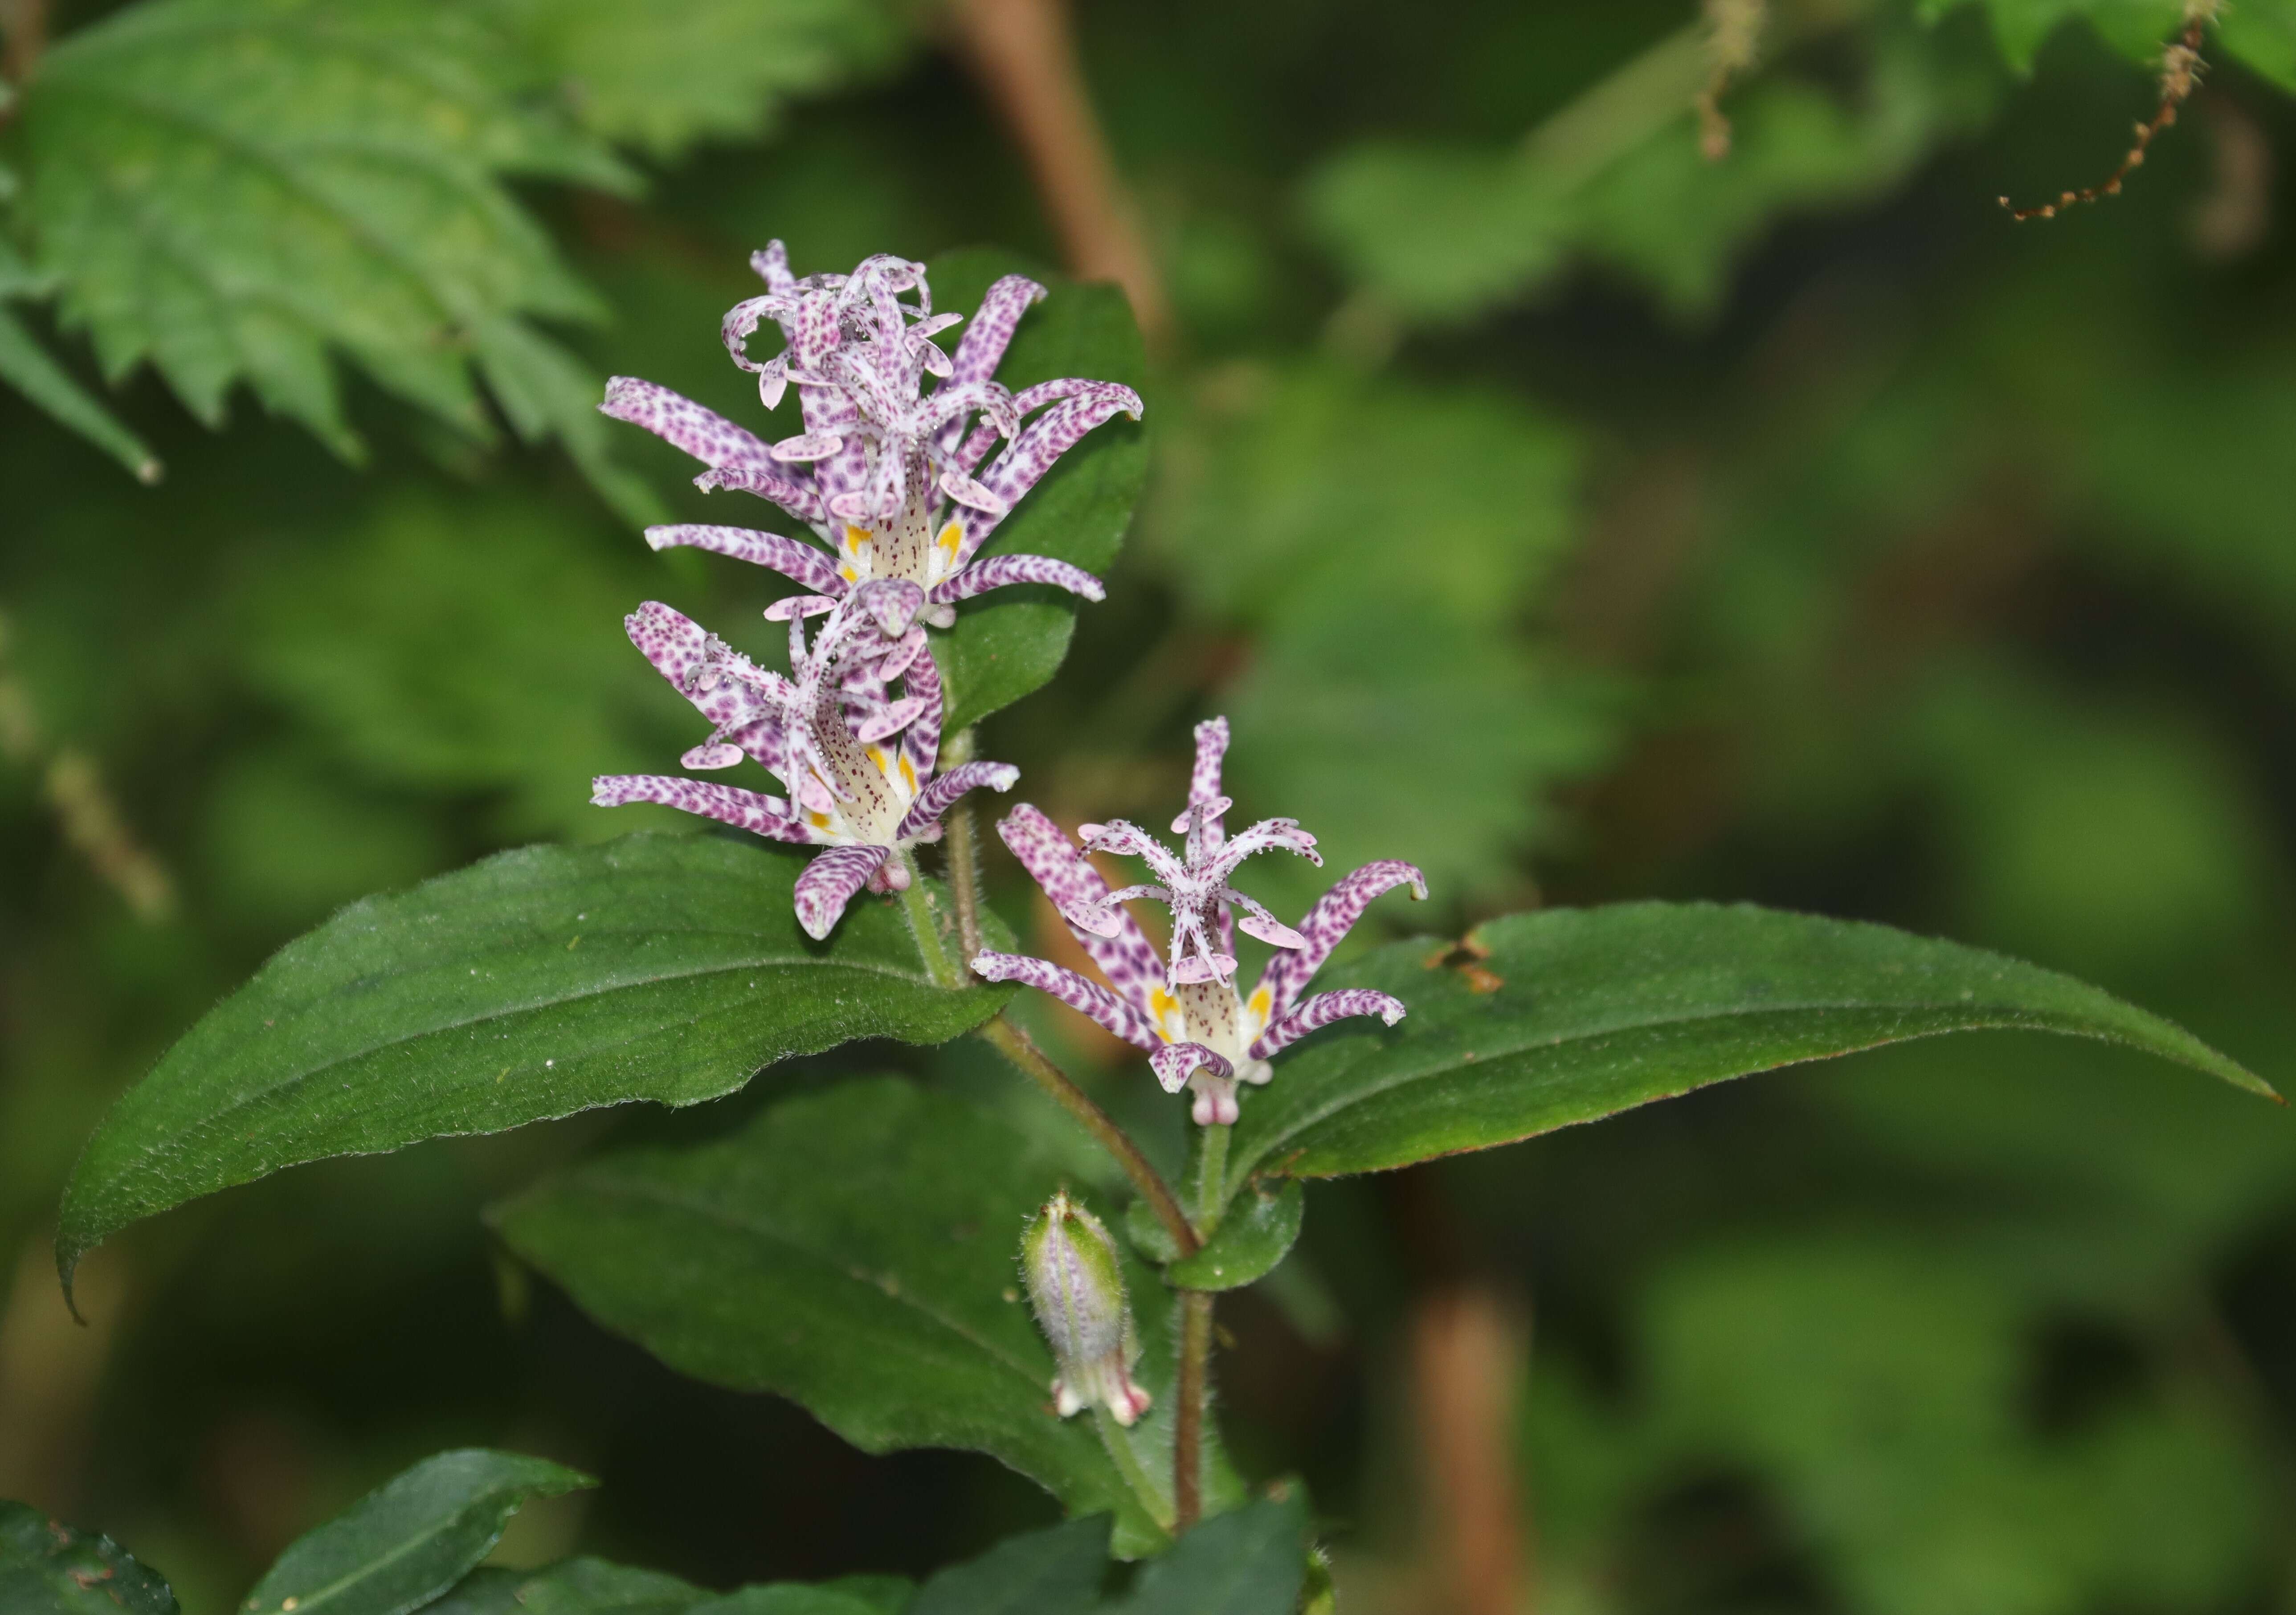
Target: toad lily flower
(858, 764)
(1184, 1010)
(896, 482)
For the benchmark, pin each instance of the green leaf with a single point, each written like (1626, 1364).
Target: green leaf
(1441, 234)
(663, 76)
(535, 984)
(786, 1598)
(575, 1586)
(29, 368)
(411, 1539)
(1010, 642)
(238, 190)
(1249, 1563)
(48, 1568)
(1053, 1572)
(855, 1251)
(1573, 1014)
(1258, 1230)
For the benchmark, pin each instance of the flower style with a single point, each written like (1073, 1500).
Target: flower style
(891, 477)
(858, 764)
(1185, 1009)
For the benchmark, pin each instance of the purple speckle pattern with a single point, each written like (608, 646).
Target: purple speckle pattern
(1087, 997)
(828, 885)
(1185, 1010)
(940, 795)
(1333, 915)
(802, 562)
(750, 810)
(1321, 1010)
(1174, 1062)
(857, 760)
(983, 346)
(998, 570)
(881, 450)
(1125, 956)
(1195, 887)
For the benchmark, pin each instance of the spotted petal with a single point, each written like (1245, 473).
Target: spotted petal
(1176, 1063)
(802, 562)
(828, 885)
(1123, 955)
(750, 810)
(1088, 997)
(1333, 915)
(1321, 1010)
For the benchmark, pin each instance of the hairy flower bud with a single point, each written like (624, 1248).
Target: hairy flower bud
(1076, 1284)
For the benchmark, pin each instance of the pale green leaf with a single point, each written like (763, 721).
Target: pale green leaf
(664, 77)
(239, 191)
(31, 370)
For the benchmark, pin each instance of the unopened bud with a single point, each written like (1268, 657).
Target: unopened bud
(1076, 1283)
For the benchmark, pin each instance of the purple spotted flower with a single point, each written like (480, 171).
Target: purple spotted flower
(1184, 1008)
(896, 480)
(857, 763)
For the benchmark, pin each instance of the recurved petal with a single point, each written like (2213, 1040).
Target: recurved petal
(828, 885)
(1333, 915)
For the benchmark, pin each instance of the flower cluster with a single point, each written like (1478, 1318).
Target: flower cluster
(897, 482)
(857, 763)
(1185, 1009)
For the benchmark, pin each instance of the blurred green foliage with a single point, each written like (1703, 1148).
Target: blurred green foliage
(1544, 503)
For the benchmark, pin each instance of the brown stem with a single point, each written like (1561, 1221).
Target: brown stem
(1017, 1046)
(1024, 53)
(1188, 1421)
(23, 37)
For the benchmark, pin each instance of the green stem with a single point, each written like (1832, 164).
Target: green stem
(1188, 1421)
(1017, 1046)
(961, 849)
(1117, 1441)
(925, 925)
(1211, 1178)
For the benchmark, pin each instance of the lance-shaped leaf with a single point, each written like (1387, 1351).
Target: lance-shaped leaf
(48, 1568)
(411, 1539)
(1543, 1020)
(855, 1251)
(535, 984)
(1010, 641)
(1257, 1232)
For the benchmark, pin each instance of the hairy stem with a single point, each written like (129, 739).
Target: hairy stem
(1211, 1177)
(1016, 1047)
(925, 925)
(1117, 1441)
(961, 849)
(1188, 1419)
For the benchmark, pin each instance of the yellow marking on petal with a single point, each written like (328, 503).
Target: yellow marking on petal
(952, 539)
(877, 755)
(857, 538)
(819, 821)
(1262, 1001)
(908, 774)
(845, 570)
